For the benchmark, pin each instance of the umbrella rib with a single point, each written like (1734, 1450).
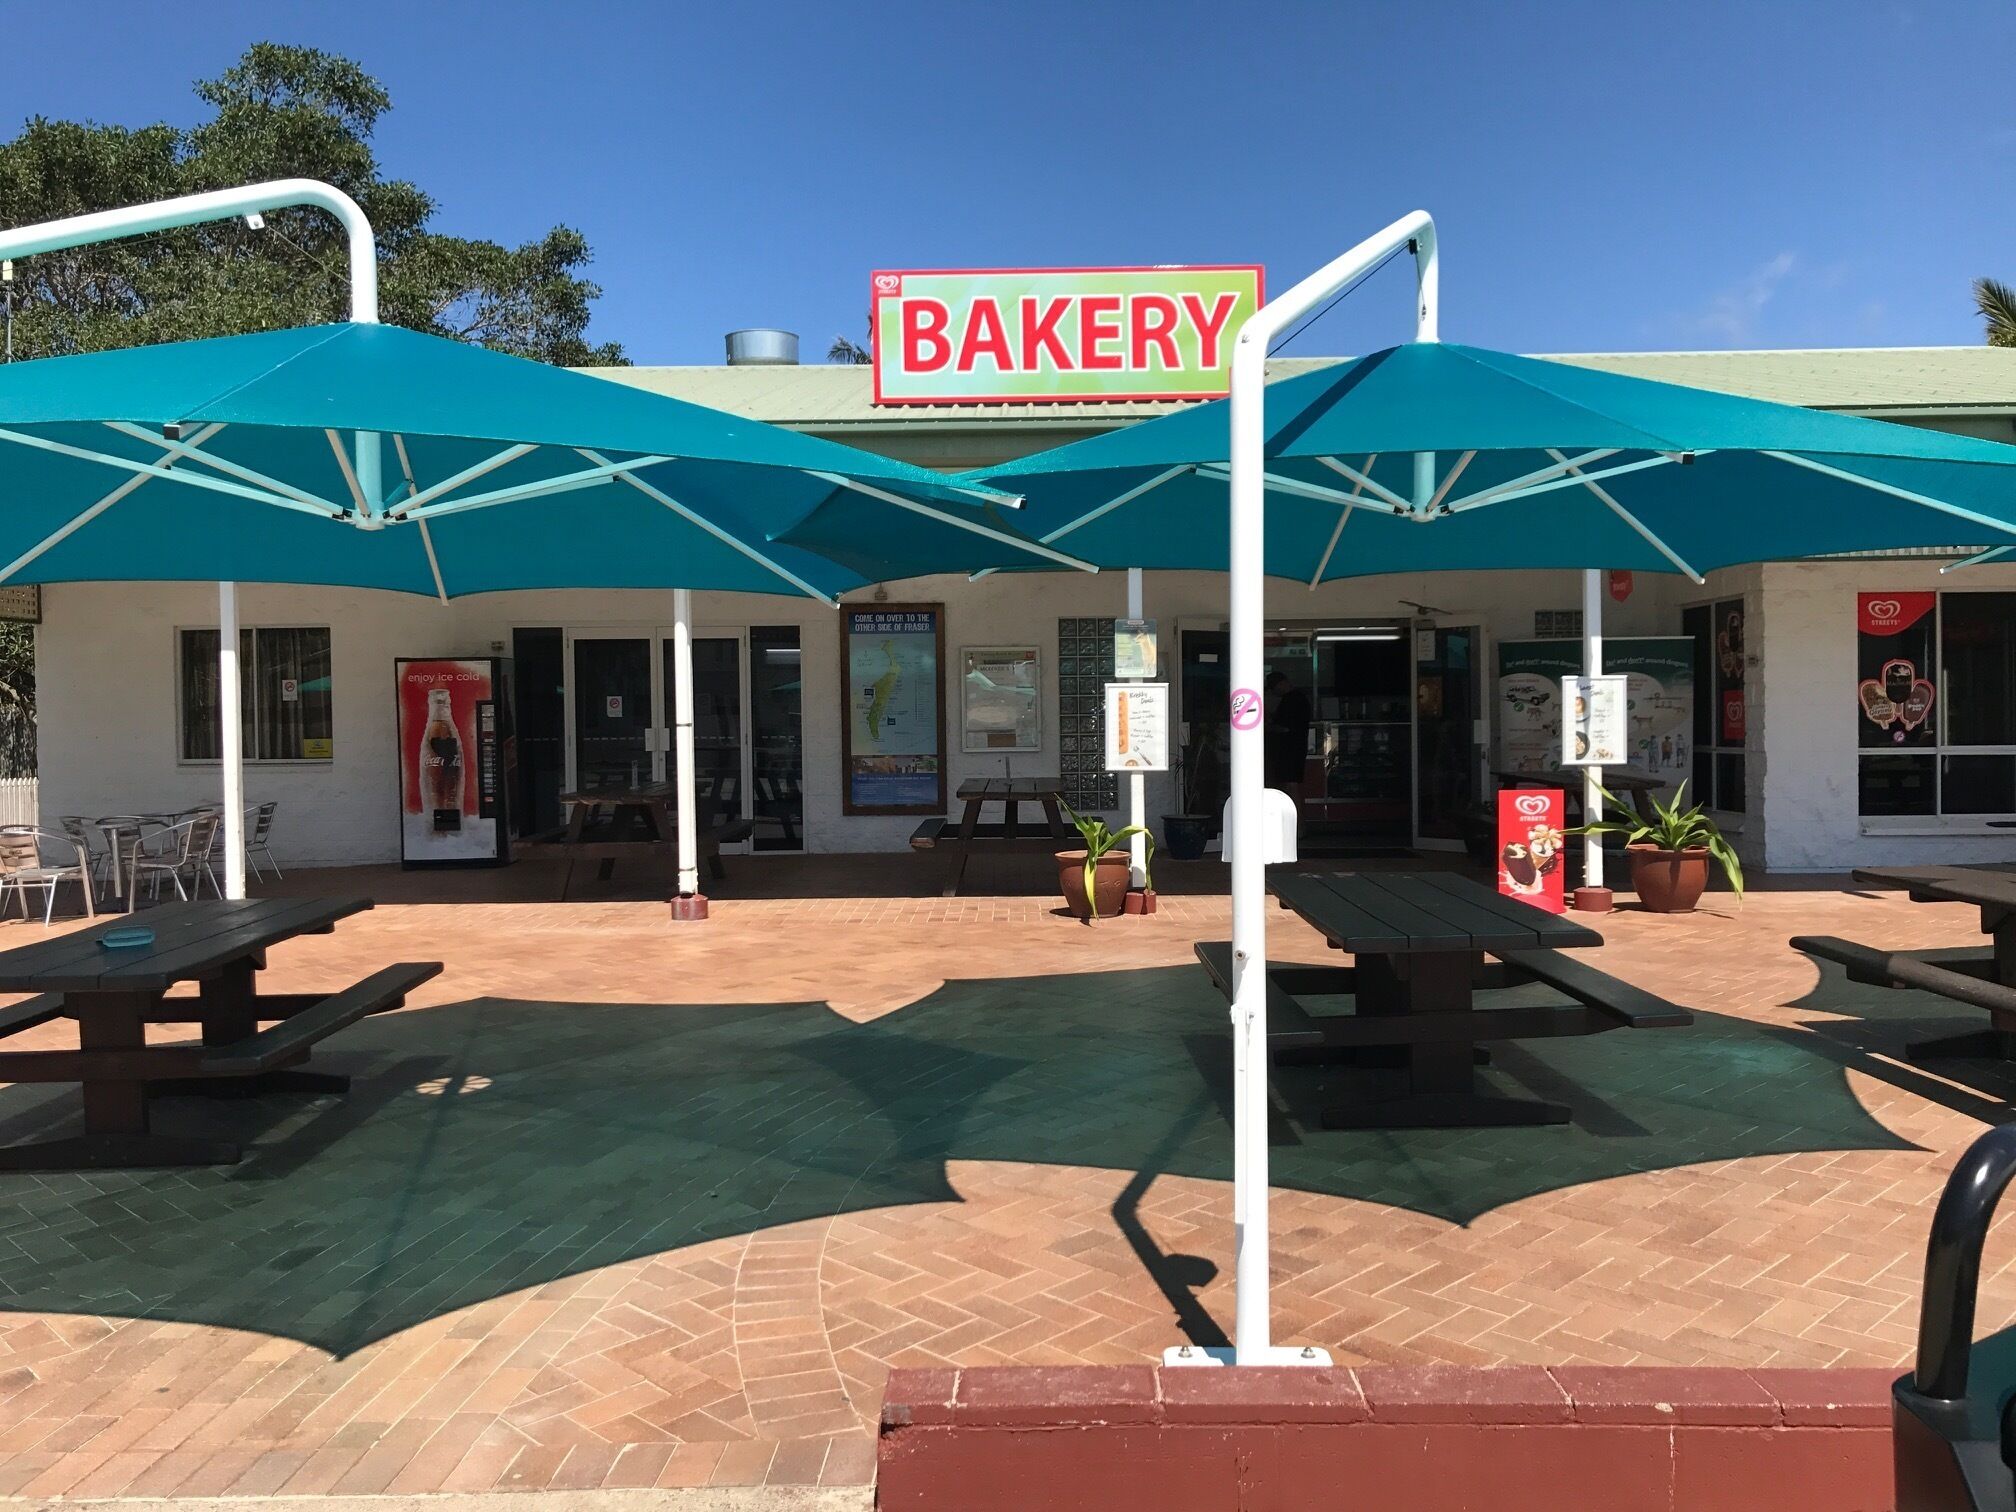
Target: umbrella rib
(1343, 519)
(1036, 548)
(1092, 514)
(191, 452)
(727, 538)
(1959, 511)
(1993, 553)
(1295, 487)
(1377, 490)
(564, 483)
(468, 475)
(349, 475)
(1572, 480)
(1538, 475)
(160, 470)
(87, 515)
(426, 536)
(1629, 518)
(1449, 480)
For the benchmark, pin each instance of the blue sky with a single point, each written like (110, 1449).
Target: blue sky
(1605, 175)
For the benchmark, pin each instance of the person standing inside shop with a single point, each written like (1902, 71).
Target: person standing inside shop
(1289, 715)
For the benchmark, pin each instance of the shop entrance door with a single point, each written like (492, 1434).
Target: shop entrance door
(1448, 732)
(619, 707)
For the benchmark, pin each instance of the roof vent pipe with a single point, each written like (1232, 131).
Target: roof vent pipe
(762, 347)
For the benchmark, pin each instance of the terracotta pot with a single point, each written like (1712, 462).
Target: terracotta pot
(1668, 881)
(1109, 882)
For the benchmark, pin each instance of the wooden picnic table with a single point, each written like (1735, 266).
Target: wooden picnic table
(1007, 836)
(1419, 942)
(1982, 978)
(114, 994)
(643, 821)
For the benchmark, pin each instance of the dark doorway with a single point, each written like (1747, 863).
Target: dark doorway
(540, 673)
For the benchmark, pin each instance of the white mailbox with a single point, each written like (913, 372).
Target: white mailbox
(1278, 825)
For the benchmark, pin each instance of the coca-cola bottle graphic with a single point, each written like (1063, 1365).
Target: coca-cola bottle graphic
(441, 764)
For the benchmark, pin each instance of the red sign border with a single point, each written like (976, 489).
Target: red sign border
(1258, 271)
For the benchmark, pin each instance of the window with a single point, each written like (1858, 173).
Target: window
(285, 707)
(1935, 704)
(776, 702)
(1721, 722)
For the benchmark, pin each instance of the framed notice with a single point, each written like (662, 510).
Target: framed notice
(1134, 648)
(892, 715)
(1137, 727)
(1000, 698)
(1595, 729)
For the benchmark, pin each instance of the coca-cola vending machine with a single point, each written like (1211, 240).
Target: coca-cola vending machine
(455, 760)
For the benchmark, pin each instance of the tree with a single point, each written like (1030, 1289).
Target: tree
(279, 112)
(848, 352)
(1997, 304)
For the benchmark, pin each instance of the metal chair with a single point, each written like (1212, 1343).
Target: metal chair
(77, 830)
(22, 866)
(256, 840)
(177, 851)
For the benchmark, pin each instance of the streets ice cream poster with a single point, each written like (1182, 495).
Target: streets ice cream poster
(894, 721)
(1658, 695)
(1894, 695)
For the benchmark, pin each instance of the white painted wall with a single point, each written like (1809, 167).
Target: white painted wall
(106, 655)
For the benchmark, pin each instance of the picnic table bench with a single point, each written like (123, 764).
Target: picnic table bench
(1007, 836)
(114, 994)
(1981, 977)
(642, 821)
(1419, 942)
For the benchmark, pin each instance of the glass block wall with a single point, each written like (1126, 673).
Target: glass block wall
(1084, 667)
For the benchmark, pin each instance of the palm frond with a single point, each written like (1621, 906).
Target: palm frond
(1997, 303)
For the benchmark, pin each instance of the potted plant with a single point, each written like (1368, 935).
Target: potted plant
(1186, 834)
(1094, 880)
(1669, 855)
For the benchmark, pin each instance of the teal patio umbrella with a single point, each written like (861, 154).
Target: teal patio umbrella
(369, 456)
(1538, 464)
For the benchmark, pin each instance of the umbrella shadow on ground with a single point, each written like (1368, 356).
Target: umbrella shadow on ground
(494, 1145)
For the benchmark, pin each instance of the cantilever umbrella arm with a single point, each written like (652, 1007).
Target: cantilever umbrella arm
(191, 210)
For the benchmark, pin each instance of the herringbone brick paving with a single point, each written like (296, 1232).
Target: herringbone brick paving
(620, 1203)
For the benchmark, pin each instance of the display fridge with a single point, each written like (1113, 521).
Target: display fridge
(456, 755)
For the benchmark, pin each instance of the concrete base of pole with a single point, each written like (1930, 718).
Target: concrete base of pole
(1593, 900)
(1141, 900)
(689, 908)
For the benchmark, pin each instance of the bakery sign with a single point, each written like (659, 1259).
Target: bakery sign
(1058, 335)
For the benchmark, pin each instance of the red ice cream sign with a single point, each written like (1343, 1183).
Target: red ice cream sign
(1891, 613)
(1530, 846)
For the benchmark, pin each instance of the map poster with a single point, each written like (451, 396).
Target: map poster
(1659, 698)
(892, 726)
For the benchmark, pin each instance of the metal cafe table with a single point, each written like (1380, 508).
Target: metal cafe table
(114, 994)
(1983, 978)
(1419, 942)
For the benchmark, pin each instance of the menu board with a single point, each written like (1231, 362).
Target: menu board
(1000, 698)
(892, 727)
(1137, 727)
(1597, 729)
(1659, 693)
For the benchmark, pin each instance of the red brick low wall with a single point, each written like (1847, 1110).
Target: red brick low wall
(1410, 1439)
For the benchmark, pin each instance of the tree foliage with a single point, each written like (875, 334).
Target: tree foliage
(279, 112)
(1997, 304)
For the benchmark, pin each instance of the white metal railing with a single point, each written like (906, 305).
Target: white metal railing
(18, 801)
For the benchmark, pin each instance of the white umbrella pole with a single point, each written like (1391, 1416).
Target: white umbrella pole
(1246, 835)
(232, 739)
(1594, 896)
(1137, 782)
(682, 749)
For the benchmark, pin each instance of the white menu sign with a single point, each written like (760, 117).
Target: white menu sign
(1597, 729)
(1137, 727)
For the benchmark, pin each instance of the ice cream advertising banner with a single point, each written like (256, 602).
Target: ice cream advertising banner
(893, 737)
(1659, 692)
(1530, 845)
(1056, 335)
(1894, 692)
(442, 709)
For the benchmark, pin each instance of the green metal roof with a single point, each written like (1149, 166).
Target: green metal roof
(1890, 381)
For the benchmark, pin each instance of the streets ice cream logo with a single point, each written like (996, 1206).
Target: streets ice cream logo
(1898, 700)
(1525, 865)
(1884, 613)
